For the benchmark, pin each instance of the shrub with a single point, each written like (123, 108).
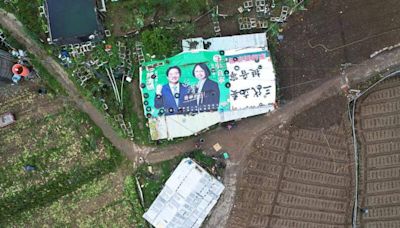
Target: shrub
(158, 41)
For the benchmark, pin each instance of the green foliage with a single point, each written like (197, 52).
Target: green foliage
(65, 183)
(145, 7)
(158, 41)
(11, 39)
(28, 13)
(63, 163)
(152, 184)
(48, 78)
(140, 130)
(202, 159)
(131, 193)
(179, 7)
(191, 7)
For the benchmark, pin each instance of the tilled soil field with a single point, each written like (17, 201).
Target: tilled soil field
(329, 34)
(25, 101)
(378, 127)
(317, 41)
(75, 176)
(298, 177)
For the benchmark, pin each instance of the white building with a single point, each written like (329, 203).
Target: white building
(186, 199)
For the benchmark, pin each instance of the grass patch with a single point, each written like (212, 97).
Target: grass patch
(131, 193)
(68, 153)
(47, 78)
(28, 13)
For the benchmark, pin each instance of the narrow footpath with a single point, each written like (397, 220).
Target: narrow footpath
(235, 141)
(238, 140)
(130, 149)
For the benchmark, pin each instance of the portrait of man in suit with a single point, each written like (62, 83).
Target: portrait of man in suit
(206, 91)
(170, 96)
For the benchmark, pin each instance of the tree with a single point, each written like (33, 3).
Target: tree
(192, 7)
(158, 41)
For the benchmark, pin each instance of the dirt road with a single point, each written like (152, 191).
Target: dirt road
(235, 141)
(130, 149)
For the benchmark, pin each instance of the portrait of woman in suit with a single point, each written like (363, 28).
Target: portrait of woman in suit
(206, 91)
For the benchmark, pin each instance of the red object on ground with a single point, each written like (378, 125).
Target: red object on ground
(20, 70)
(108, 47)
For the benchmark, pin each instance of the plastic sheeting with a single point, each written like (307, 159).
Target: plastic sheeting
(226, 43)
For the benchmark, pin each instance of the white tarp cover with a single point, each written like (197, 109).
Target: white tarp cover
(186, 199)
(193, 44)
(175, 126)
(226, 42)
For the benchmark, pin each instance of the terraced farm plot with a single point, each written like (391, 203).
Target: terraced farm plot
(75, 177)
(298, 177)
(378, 128)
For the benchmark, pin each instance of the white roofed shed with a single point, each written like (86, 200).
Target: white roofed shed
(186, 199)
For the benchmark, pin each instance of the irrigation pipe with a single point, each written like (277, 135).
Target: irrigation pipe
(115, 85)
(115, 89)
(356, 155)
(122, 94)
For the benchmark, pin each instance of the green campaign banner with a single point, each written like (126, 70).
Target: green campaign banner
(188, 83)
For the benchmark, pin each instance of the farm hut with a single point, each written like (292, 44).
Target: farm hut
(187, 198)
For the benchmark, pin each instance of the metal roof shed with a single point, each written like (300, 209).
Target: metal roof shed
(186, 199)
(6, 63)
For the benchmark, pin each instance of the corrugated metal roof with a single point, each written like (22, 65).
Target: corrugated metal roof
(226, 42)
(186, 199)
(176, 126)
(5, 65)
